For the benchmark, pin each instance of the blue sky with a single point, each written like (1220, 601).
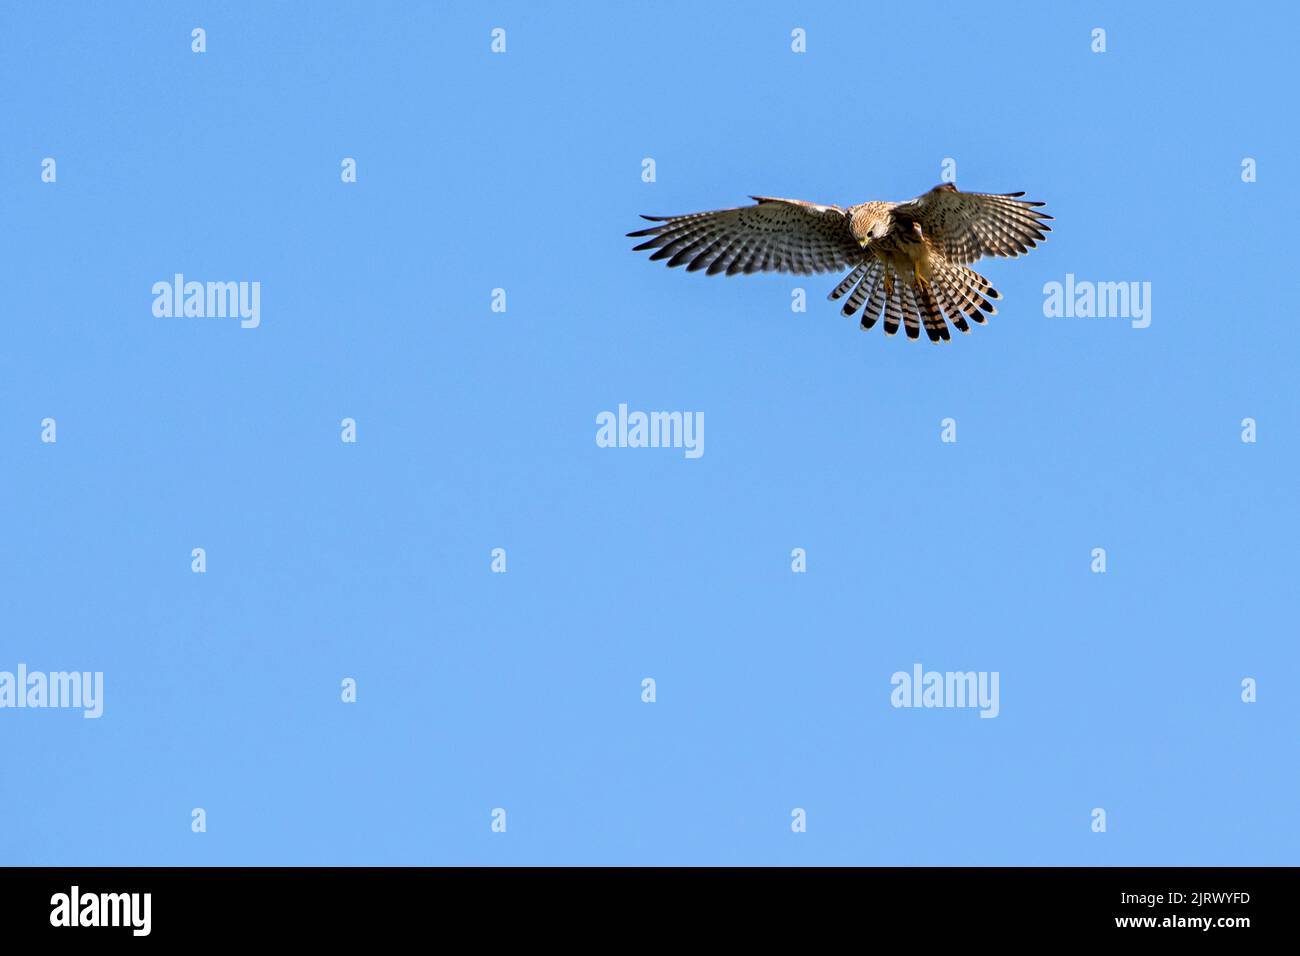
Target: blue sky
(476, 430)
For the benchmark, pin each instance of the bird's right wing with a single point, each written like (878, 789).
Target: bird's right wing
(776, 235)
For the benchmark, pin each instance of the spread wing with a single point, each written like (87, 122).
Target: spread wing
(776, 235)
(967, 226)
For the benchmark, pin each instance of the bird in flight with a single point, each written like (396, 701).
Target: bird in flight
(908, 261)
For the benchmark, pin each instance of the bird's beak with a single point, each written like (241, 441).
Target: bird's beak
(864, 241)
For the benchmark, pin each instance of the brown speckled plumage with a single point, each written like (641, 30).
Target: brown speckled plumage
(908, 260)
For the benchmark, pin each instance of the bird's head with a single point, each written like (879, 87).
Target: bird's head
(874, 231)
(870, 223)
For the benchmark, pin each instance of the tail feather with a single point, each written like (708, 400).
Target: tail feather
(970, 291)
(969, 306)
(954, 313)
(983, 287)
(861, 292)
(956, 293)
(894, 307)
(876, 303)
(849, 282)
(935, 327)
(911, 312)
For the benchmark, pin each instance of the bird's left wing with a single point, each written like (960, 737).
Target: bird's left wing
(776, 235)
(968, 226)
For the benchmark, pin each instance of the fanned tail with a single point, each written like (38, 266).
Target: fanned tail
(966, 294)
(954, 294)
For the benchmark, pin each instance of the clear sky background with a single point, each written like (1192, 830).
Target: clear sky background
(476, 430)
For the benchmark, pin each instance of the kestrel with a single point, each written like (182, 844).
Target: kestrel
(908, 260)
